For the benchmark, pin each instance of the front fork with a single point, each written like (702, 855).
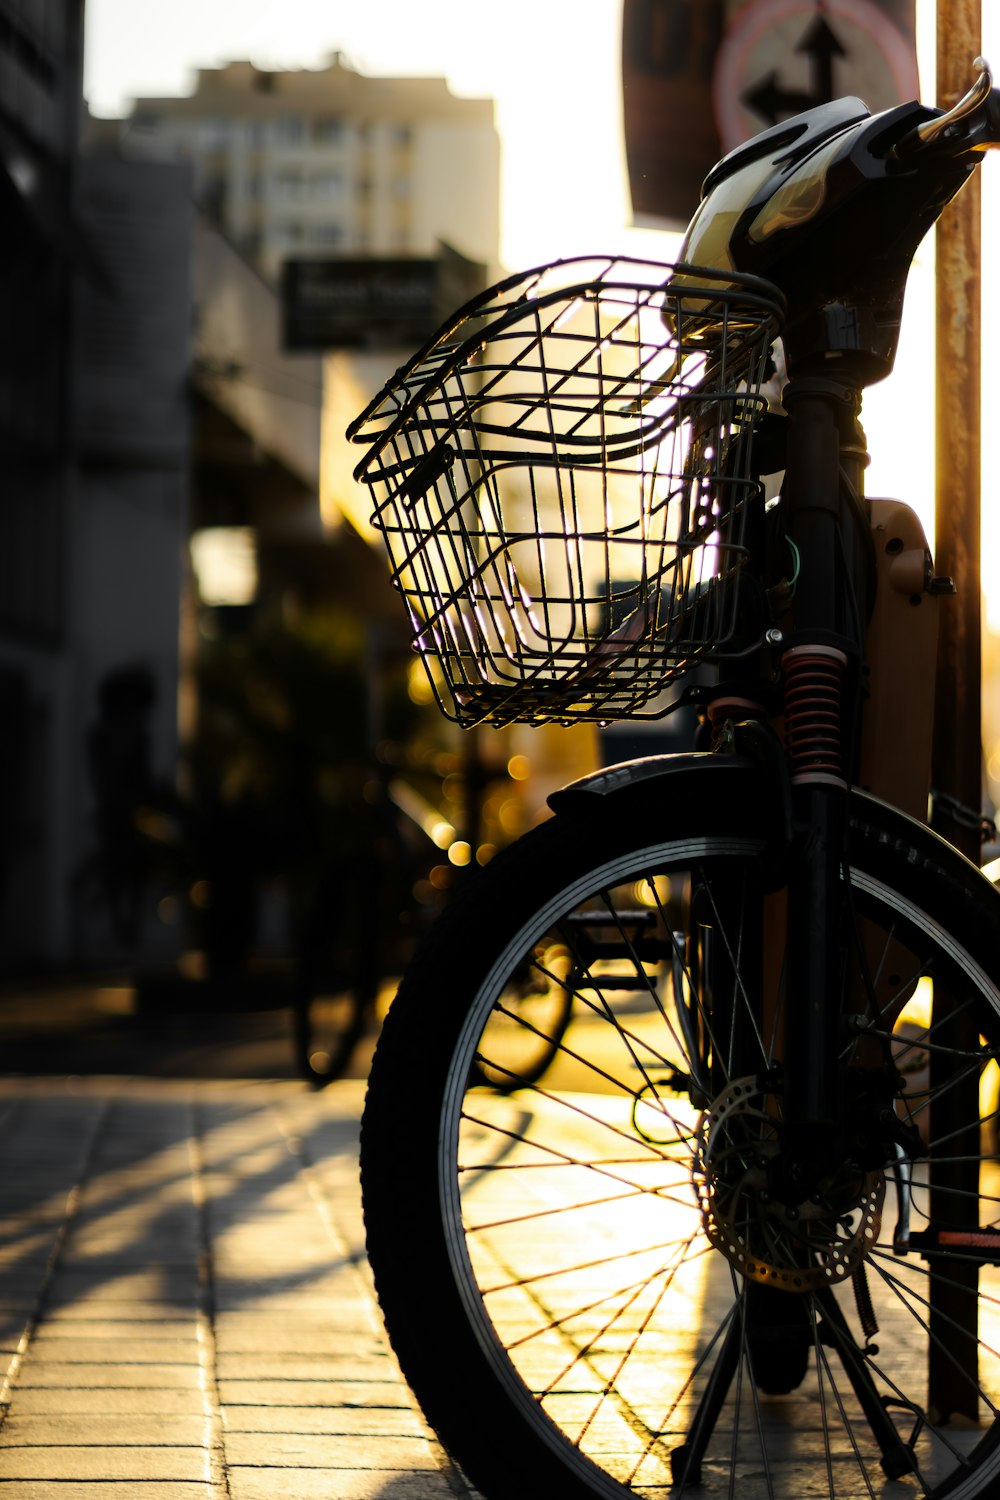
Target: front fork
(865, 601)
(813, 690)
(827, 525)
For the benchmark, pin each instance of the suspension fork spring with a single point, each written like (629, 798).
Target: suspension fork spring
(814, 677)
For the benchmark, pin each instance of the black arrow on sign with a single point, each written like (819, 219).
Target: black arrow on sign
(772, 102)
(821, 45)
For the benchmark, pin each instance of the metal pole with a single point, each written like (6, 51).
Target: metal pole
(957, 745)
(957, 753)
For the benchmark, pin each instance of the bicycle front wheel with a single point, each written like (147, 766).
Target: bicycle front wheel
(608, 1264)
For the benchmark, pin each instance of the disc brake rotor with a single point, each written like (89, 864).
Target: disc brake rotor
(798, 1247)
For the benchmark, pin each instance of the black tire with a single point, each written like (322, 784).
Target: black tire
(563, 1268)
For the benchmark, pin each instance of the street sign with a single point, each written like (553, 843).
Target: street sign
(779, 57)
(701, 76)
(358, 303)
(373, 303)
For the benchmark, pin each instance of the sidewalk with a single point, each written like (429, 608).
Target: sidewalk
(185, 1308)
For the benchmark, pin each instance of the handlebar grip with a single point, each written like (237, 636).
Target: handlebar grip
(978, 96)
(970, 126)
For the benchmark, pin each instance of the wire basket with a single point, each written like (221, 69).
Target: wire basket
(561, 478)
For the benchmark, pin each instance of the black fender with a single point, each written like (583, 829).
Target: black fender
(655, 780)
(735, 786)
(749, 778)
(750, 784)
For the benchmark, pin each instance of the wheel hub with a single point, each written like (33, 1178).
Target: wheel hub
(796, 1246)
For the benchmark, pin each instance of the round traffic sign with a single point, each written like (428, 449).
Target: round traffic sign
(779, 57)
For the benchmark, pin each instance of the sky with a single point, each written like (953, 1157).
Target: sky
(552, 66)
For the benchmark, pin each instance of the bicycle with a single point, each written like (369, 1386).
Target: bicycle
(362, 915)
(743, 1235)
(358, 915)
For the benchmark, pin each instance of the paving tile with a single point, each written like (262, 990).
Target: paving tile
(323, 1451)
(175, 1287)
(351, 1484)
(333, 1421)
(104, 1260)
(86, 1464)
(350, 1325)
(347, 1393)
(279, 1291)
(65, 1326)
(26, 1257)
(35, 1373)
(171, 1489)
(107, 1310)
(104, 1250)
(349, 1365)
(26, 1286)
(111, 1350)
(125, 1401)
(103, 1429)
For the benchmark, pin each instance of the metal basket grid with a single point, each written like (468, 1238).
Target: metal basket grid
(561, 479)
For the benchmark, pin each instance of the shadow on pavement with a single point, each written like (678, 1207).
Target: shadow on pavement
(102, 1026)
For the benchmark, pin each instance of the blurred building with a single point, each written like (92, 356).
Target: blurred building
(323, 165)
(40, 58)
(330, 162)
(321, 172)
(95, 309)
(147, 401)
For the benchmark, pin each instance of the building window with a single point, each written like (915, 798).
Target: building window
(326, 236)
(289, 182)
(213, 134)
(290, 131)
(329, 132)
(326, 184)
